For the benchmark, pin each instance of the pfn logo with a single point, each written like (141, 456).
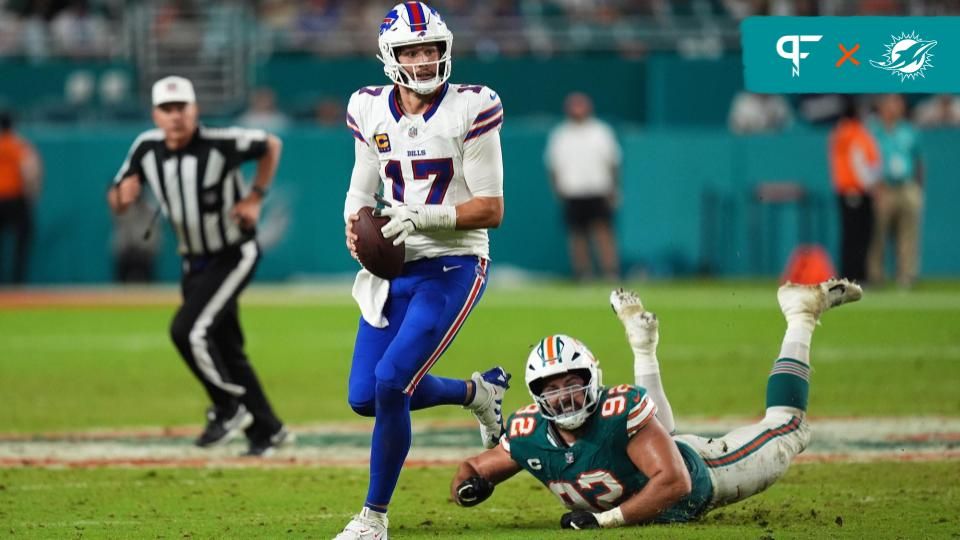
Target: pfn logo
(794, 54)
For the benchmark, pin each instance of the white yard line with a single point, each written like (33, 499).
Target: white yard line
(437, 443)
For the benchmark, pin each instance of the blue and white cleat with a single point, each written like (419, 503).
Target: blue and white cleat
(489, 407)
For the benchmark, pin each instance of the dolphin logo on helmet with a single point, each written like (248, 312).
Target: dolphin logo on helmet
(414, 23)
(557, 355)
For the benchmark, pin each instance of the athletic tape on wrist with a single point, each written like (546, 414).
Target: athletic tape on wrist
(610, 518)
(439, 218)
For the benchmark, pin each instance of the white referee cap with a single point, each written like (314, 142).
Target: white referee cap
(173, 90)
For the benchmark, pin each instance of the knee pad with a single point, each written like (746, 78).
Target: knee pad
(388, 376)
(392, 399)
(362, 399)
(364, 408)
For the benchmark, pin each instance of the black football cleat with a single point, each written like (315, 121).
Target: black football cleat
(267, 447)
(221, 429)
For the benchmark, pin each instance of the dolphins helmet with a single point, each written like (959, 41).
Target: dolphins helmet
(556, 355)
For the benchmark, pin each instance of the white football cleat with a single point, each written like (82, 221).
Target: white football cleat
(489, 411)
(643, 328)
(815, 299)
(366, 525)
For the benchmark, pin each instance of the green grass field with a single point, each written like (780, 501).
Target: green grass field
(73, 368)
(898, 500)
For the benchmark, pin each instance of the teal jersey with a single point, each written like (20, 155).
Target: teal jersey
(899, 148)
(595, 473)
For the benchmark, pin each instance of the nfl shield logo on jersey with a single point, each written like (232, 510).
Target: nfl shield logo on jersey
(569, 457)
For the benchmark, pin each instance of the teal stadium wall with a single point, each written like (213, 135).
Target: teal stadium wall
(658, 90)
(688, 184)
(666, 228)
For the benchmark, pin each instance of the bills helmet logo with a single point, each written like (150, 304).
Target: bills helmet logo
(388, 20)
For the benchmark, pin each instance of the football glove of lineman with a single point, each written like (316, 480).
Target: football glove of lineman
(473, 491)
(579, 519)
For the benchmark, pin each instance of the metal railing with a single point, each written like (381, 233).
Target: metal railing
(208, 45)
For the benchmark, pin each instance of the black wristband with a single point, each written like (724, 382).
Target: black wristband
(262, 192)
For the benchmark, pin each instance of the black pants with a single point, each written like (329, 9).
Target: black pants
(16, 215)
(206, 331)
(856, 232)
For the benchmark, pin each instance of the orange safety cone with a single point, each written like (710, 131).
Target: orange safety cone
(808, 265)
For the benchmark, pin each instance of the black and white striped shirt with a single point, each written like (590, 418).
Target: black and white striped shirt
(199, 184)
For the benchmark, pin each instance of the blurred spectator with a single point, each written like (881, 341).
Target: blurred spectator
(318, 28)
(262, 112)
(898, 199)
(318, 16)
(793, 7)
(855, 169)
(178, 30)
(759, 113)
(879, 7)
(278, 14)
(938, 111)
(77, 31)
(583, 161)
(329, 112)
(20, 176)
(134, 254)
(9, 33)
(487, 29)
(817, 109)
(741, 9)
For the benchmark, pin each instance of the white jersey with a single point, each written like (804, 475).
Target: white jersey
(447, 155)
(583, 157)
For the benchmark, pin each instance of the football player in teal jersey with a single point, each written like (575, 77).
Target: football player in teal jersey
(608, 453)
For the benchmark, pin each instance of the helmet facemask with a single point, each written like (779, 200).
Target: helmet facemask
(556, 356)
(406, 74)
(570, 406)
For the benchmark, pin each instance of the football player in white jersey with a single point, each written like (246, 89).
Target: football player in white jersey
(434, 149)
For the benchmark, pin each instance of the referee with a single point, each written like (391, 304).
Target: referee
(194, 174)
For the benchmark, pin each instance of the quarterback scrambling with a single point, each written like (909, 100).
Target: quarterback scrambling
(433, 148)
(608, 453)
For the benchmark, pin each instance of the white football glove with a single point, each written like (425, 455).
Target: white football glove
(403, 221)
(407, 218)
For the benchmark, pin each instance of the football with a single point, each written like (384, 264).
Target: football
(376, 253)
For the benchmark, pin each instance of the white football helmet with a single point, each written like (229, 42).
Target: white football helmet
(556, 355)
(414, 23)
